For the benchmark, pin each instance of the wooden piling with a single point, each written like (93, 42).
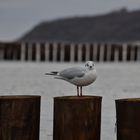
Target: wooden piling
(19, 117)
(77, 118)
(128, 119)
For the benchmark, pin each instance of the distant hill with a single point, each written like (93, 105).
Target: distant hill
(119, 26)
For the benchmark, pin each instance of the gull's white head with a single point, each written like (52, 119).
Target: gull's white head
(90, 65)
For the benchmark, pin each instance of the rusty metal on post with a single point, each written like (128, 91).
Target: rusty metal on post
(128, 119)
(77, 118)
(19, 117)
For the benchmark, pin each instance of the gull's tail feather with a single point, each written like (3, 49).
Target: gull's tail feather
(52, 73)
(57, 77)
(55, 74)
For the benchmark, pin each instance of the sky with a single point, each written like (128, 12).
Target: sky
(19, 16)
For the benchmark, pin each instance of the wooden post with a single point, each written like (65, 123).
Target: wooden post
(19, 117)
(87, 51)
(23, 47)
(95, 46)
(47, 51)
(55, 46)
(138, 53)
(124, 46)
(38, 52)
(79, 52)
(101, 56)
(128, 119)
(109, 52)
(132, 53)
(116, 54)
(72, 45)
(77, 118)
(62, 52)
(1, 53)
(30, 51)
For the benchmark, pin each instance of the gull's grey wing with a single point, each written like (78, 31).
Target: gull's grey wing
(72, 72)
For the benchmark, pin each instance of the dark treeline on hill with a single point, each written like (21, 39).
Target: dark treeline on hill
(117, 26)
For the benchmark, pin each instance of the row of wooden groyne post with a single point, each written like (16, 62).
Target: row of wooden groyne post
(69, 52)
(75, 118)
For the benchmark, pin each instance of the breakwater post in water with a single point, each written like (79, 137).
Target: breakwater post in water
(19, 117)
(77, 118)
(128, 119)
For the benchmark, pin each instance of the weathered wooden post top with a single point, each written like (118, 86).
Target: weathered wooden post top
(77, 118)
(128, 119)
(19, 117)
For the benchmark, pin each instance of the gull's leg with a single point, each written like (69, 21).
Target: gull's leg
(80, 90)
(77, 90)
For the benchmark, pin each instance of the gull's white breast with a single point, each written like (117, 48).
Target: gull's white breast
(86, 80)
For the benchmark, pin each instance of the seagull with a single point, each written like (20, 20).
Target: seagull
(78, 76)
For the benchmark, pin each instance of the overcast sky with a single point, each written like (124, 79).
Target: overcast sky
(18, 16)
